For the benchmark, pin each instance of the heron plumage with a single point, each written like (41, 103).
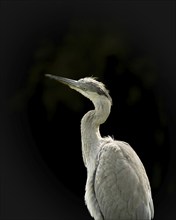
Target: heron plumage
(121, 185)
(117, 186)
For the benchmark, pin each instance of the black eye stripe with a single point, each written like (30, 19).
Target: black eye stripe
(100, 91)
(91, 85)
(97, 89)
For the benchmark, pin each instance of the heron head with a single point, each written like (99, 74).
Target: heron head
(88, 86)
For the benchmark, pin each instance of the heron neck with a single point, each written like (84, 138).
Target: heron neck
(90, 134)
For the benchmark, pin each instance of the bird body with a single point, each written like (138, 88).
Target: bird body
(117, 186)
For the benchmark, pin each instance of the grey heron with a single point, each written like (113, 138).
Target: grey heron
(117, 186)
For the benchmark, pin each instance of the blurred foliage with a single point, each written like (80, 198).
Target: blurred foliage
(134, 95)
(82, 52)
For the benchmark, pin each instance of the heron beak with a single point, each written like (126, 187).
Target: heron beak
(69, 82)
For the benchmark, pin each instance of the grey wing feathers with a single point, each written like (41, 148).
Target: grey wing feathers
(121, 185)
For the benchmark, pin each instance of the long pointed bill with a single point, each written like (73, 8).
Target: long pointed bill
(69, 82)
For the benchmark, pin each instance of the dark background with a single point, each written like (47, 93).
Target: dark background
(130, 46)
